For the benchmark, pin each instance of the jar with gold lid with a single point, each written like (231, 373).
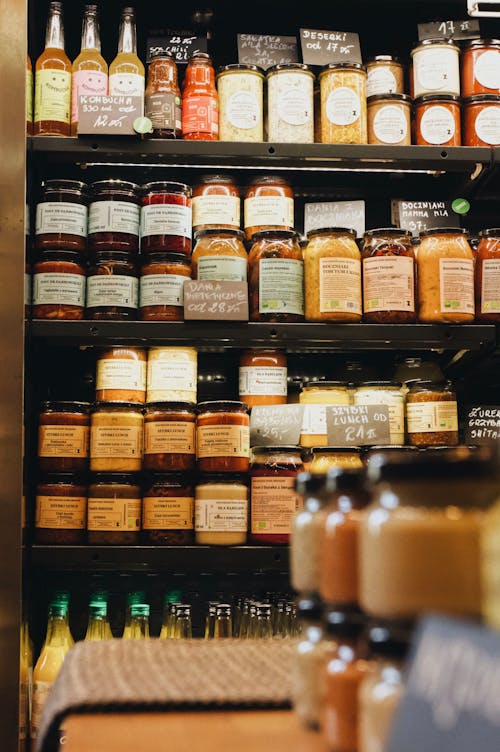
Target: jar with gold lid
(268, 205)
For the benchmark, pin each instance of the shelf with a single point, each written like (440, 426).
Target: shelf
(176, 559)
(208, 336)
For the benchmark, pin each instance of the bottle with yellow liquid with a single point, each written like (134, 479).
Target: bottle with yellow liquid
(101, 597)
(62, 596)
(53, 80)
(25, 684)
(89, 70)
(135, 596)
(126, 72)
(96, 628)
(170, 603)
(139, 621)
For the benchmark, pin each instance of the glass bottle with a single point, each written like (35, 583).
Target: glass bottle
(25, 680)
(89, 69)
(62, 597)
(100, 597)
(139, 621)
(126, 72)
(223, 626)
(135, 596)
(263, 621)
(200, 101)
(210, 620)
(53, 80)
(183, 627)
(162, 103)
(96, 627)
(170, 603)
(29, 96)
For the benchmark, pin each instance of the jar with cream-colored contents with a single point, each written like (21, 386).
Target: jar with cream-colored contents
(343, 103)
(172, 374)
(221, 510)
(121, 375)
(241, 102)
(316, 397)
(220, 255)
(385, 75)
(431, 414)
(216, 203)
(445, 266)
(388, 393)
(389, 119)
(290, 103)
(436, 67)
(116, 437)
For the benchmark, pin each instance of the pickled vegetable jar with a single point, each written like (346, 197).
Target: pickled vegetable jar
(220, 255)
(431, 414)
(241, 102)
(276, 277)
(487, 274)
(290, 105)
(343, 103)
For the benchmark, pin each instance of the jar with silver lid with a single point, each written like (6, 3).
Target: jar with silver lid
(241, 103)
(290, 103)
(436, 67)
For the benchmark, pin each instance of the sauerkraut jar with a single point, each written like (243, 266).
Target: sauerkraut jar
(343, 104)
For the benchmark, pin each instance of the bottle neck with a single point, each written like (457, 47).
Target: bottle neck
(56, 632)
(183, 628)
(223, 627)
(90, 33)
(139, 628)
(96, 629)
(54, 35)
(127, 38)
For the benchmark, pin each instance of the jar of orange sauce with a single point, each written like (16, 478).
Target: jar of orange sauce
(487, 272)
(263, 377)
(268, 205)
(480, 68)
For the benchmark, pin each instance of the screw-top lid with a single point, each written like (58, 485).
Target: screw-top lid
(58, 609)
(344, 622)
(309, 609)
(307, 484)
(98, 610)
(455, 463)
(172, 596)
(136, 596)
(139, 609)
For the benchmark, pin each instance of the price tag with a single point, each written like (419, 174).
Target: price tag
(320, 47)
(362, 425)
(483, 424)
(467, 29)
(215, 301)
(276, 425)
(350, 214)
(417, 216)
(105, 114)
(266, 50)
(180, 44)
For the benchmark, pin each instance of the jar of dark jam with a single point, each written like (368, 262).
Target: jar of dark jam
(166, 223)
(58, 286)
(61, 510)
(63, 437)
(112, 286)
(114, 216)
(169, 437)
(161, 295)
(61, 216)
(223, 437)
(114, 509)
(168, 511)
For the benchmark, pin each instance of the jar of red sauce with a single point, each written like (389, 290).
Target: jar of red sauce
(114, 215)
(200, 100)
(263, 377)
(487, 274)
(437, 120)
(169, 437)
(161, 295)
(268, 205)
(166, 223)
(223, 437)
(63, 437)
(216, 203)
(273, 498)
(59, 286)
(482, 120)
(480, 69)
(162, 97)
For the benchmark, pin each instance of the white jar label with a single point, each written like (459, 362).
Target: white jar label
(380, 80)
(118, 373)
(112, 290)
(167, 513)
(216, 210)
(431, 417)
(396, 405)
(61, 217)
(222, 268)
(487, 70)
(221, 516)
(314, 420)
(126, 84)
(456, 285)
(343, 106)
(114, 216)
(294, 106)
(263, 380)
(437, 125)
(339, 285)
(166, 219)
(242, 110)
(390, 125)
(55, 288)
(490, 289)
(389, 284)
(174, 375)
(437, 69)
(162, 289)
(269, 210)
(281, 286)
(274, 505)
(487, 125)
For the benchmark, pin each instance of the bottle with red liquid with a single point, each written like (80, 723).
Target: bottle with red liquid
(200, 101)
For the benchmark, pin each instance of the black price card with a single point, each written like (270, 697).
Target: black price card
(266, 50)
(417, 216)
(106, 114)
(205, 300)
(350, 214)
(466, 29)
(482, 424)
(320, 47)
(450, 699)
(361, 425)
(276, 425)
(180, 44)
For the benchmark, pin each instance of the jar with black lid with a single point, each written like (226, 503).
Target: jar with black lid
(161, 295)
(63, 436)
(61, 509)
(59, 285)
(61, 216)
(114, 216)
(112, 286)
(114, 509)
(168, 510)
(166, 217)
(170, 437)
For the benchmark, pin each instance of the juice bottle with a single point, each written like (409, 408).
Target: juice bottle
(96, 628)
(126, 72)
(135, 596)
(200, 101)
(53, 80)
(139, 621)
(90, 70)
(100, 597)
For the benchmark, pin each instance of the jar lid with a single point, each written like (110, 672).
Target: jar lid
(392, 97)
(276, 449)
(115, 184)
(180, 478)
(240, 67)
(444, 230)
(159, 54)
(240, 478)
(436, 98)
(208, 179)
(478, 98)
(429, 384)
(459, 462)
(386, 231)
(200, 56)
(345, 622)
(380, 382)
(438, 40)
(166, 186)
(269, 179)
(341, 66)
(310, 483)
(481, 43)
(289, 67)
(117, 405)
(383, 59)
(335, 450)
(327, 230)
(172, 406)
(391, 448)
(76, 186)
(276, 234)
(69, 406)
(309, 609)
(165, 256)
(345, 480)
(490, 232)
(222, 406)
(391, 639)
(76, 479)
(132, 479)
(128, 257)
(321, 384)
(219, 231)
(56, 255)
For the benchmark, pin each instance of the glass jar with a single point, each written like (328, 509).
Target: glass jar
(216, 203)
(263, 377)
(417, 368)
(114, 510)
(170, 437)
(385, 75)
(290, 103)
(274, 500)
(327, 458)
(172, 374)
(389, 119)
(162, 97)
(58, 286)
(315, 397)
(223, 437)
(63, 437)
(276, 277)
(116, 437)
(168, 511)
(166, 221)
(61, 510)
(221, 510)
(200, 100)
(388, 276)
(480, 67)
(445, 271)
(437, 120)
(114, 215)
(268, 205)
(112, 287)
(241, 102)
(431, 414)
(332, 270)
(343, 103)
(305, 534)
(388, 393)
(482, 120)
(161, 293)
(420, 536)
(121, 374)
(61, 216)
(487, 276)
(436, 67)
(220, 255)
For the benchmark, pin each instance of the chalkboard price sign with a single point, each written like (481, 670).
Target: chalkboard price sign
(483, 424)
(266, 50)
(363, 425)
(114, 115)
(215, 301)
(349, 214)
(320, 47)
(417, 216)
(466, 29)
(276, 425)
(180, 44)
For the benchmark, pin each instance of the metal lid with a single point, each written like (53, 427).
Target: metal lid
(438, 40)
(76, 186)
(289, 67)
(436, 98)
(321, 384)
(219, 231)
(386, 231)
(428, 384)
(478, 98)
(132, 479)
(165, 256)
(240, 478)
(443, 230)
(166, 186)
(383, 59)
(342, 66)
(380, 382)
(115, 184)
(274, 234)
(276, 449)
(76, 479)
(64, 405)
(222, 405)
(335, 450)
(490, 232)
(111, 255)
(161, 53)
(172, 406)
(326, 230)
(240, 67)
(117, 405)
(58, 255)
(392, 97)
(481, 43)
